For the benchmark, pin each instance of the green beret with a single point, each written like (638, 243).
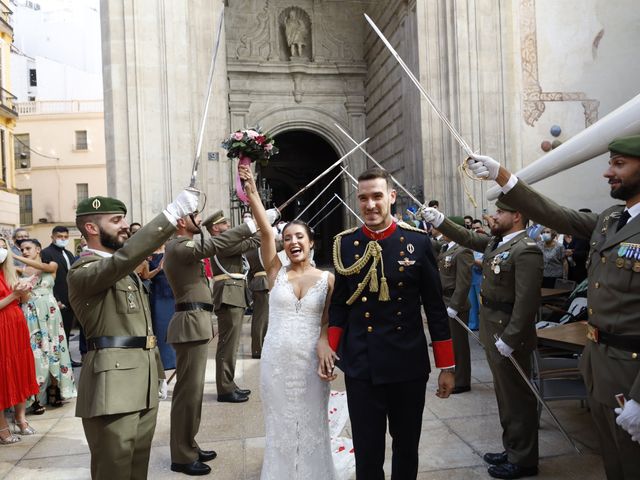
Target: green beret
(629, 146)
(457, 220)
(100, 205)
(217, 217)
(503, 206)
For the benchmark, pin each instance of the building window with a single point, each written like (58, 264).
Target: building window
(82, 191)
(3, 153)
(21, 150)
(26, 207)
(81, 140)
(33, 77)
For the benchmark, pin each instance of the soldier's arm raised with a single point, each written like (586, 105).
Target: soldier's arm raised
(95, 277)
(464, 237)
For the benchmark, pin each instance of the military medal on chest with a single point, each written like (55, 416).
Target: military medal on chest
(447, 261)
(131, 300)
(497, 260)
(629, 256)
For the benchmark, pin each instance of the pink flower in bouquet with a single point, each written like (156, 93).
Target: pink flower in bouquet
(252, 133)
(268, 147)
(238, 136)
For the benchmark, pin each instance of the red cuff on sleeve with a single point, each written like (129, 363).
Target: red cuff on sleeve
(334, 334)
(443, 353)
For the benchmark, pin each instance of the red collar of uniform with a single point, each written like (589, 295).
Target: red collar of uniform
(380, 234)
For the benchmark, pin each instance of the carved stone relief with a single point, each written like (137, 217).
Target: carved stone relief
(534, 97)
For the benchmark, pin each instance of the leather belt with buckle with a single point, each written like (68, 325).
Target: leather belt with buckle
(629, 343)
(97, 343)
(186, 306)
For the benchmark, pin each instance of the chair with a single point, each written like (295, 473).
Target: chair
(555, 373)
(563, 284)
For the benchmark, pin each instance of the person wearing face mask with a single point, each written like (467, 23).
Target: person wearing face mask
(118, 388)
(229, 302)
(553, 255)
(48, 339)
(57, 252)
(17, 369)
(610, 364)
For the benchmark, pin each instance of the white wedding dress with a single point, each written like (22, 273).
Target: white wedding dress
(294, 398)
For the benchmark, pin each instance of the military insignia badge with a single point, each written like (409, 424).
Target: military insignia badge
(190, 244)
(131, 301)
(96, 204)
(410, 248)
(405, 262)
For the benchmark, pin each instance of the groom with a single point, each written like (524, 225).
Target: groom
(384, 271)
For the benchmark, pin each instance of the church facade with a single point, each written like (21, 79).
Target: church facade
(512, 76)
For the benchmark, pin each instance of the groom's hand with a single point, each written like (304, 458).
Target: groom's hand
(446, 382)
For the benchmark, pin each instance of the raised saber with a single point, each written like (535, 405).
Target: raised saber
(334, 165)
(527, 381)
(370, 157)
(424, 93)
(349, 208)
(323, 218)
(205, 112)
(318, 196)
(324, 207)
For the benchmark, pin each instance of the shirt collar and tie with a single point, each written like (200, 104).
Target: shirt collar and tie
(628, 214)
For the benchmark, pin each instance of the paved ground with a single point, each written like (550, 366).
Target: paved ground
(456, 433)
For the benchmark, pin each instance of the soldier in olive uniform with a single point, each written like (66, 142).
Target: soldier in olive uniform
(454, 265)
(118, 388)
(512, 276)
(230, 302)
(610, 363)
(259, 287)
(190, 332)
(385, 274)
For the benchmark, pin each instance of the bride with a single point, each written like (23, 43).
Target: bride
(294, 395)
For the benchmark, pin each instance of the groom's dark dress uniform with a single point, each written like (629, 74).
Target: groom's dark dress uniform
(375, 317)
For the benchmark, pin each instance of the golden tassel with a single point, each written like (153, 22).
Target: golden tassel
(373, 283)
(384, 291)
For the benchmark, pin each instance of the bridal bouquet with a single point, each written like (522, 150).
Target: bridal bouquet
(249, 145)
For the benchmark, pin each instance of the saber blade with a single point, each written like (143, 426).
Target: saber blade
(424, 93)
(322, 209)
(334, 165)
(319, 195)
(349, 208)
(205, 112)
(370, 157)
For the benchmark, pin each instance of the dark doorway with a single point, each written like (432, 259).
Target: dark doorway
(303, 156)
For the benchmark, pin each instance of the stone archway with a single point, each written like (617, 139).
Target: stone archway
(303, 156)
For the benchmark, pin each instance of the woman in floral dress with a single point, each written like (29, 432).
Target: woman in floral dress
(48, 340)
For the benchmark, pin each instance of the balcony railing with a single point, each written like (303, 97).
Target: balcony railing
(7, 102)
(48, 107)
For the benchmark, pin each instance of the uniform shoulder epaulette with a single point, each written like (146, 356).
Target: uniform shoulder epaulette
(347, 231)
(406, 226)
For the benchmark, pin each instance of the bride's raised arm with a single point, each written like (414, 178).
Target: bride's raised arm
(270, 259)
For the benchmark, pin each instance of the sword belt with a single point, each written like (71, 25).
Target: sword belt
(187, 306)
(260, 274)
(499, 306)
(629, 343)
(97, 343)
(229, 276)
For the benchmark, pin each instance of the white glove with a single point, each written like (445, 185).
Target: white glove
(163, 391)
(431, 215)
(483, 167)
(184, 204)
(504, 349)
(451, 312)
(629, 417)
(273, 215)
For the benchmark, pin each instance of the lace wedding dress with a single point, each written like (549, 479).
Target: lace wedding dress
(294, 398)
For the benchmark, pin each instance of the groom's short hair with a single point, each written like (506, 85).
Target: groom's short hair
(375, 172)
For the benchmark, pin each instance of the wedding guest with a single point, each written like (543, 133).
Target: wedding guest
(576, 250)
(553, 254)
(48, 340)
(18, 234)
(17, 370)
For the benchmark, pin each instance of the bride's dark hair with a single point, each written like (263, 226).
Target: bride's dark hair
(307, 228)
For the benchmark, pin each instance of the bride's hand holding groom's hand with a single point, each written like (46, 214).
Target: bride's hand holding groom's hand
(326, 361)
